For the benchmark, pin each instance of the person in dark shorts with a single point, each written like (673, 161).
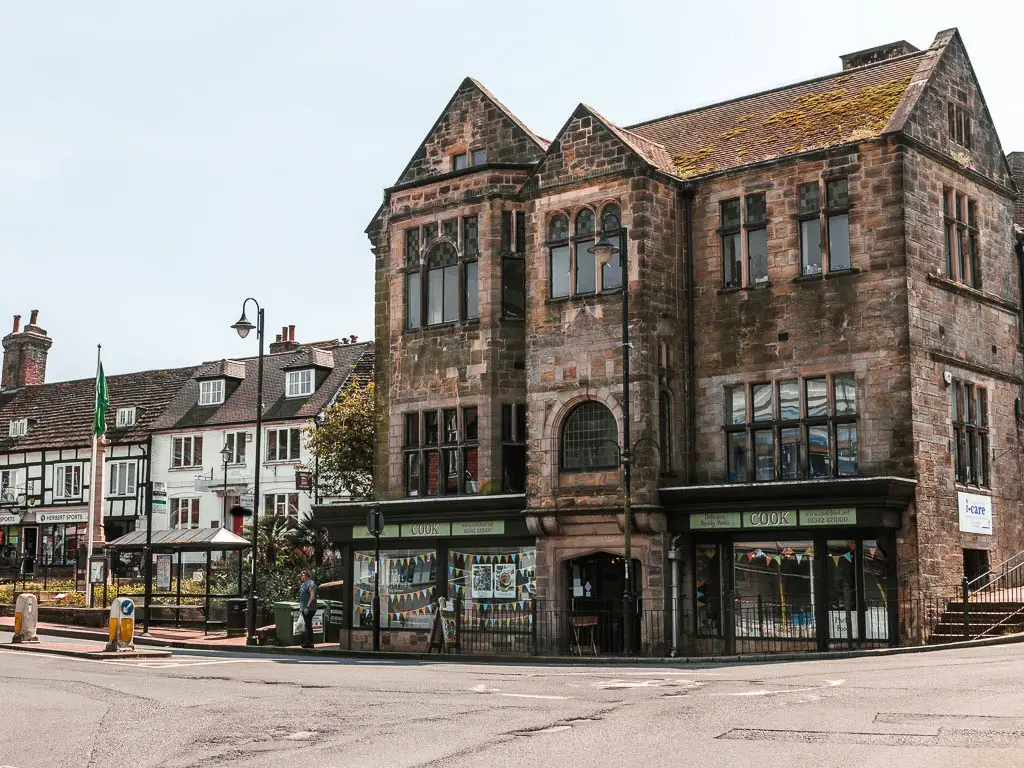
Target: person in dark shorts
(307, 604)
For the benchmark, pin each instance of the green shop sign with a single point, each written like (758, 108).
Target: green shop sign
(774, 518)
(433, 530)
(828, 517)
(714, 521)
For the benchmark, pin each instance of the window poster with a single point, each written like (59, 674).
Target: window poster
(483, 580)
(505, 581)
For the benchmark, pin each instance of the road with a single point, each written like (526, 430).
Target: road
(945, 708)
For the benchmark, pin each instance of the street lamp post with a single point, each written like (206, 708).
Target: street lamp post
(243, 326)
(603, 250)
(225, 454)
(375, 524)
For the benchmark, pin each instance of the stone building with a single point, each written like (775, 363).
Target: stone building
(825, 373)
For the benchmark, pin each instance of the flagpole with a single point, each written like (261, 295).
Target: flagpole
(92, 490)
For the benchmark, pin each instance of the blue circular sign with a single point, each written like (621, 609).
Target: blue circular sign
(127, 608)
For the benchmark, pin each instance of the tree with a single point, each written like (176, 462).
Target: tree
(342, 443)
(308, 536)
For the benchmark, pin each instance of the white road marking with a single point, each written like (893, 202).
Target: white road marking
(533, 696)
(828, 684)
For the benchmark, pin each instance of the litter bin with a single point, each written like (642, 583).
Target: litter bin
(285, 614)
(334, 619)
(236, 616)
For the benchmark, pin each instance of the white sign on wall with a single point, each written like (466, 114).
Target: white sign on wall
(975, 513)
(81, 516)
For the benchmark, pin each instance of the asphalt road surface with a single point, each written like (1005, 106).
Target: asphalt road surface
(946, 708)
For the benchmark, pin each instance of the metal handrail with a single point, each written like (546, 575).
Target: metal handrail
(1018, 559)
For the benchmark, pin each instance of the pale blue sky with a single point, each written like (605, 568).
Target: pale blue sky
(161, 161)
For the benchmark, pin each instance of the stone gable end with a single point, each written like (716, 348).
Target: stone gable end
(471, 121)
(952, 80)
(585, 148)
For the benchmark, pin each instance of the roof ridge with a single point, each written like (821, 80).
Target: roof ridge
(182, 368)
(820, 78)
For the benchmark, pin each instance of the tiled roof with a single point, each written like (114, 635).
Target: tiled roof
(651, 151)
(239, 406)
(848, 106)
(62, 413)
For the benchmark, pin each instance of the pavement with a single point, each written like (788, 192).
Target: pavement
(199, 709)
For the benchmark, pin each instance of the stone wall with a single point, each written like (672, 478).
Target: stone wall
(472, 120)
(973, 335)
(794, 326)
(1016, 161)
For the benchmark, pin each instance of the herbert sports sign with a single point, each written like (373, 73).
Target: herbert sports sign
(975, 513)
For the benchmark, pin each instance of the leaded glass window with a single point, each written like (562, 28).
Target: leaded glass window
(590, 438)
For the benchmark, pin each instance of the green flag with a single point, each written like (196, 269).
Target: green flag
(102, 402)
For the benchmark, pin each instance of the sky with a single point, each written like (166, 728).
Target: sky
(162, 161)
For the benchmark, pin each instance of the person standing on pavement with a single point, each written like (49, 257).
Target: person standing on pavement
(307, 604)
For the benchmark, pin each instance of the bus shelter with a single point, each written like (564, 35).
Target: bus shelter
(177, 543)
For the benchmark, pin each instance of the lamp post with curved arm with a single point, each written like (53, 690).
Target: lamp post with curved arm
(243, 326)
(603, 250)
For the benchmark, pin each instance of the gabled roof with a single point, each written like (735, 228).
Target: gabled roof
(853, 105)
(239, 406)
(61, 414)
(649, 150)
(469, 81)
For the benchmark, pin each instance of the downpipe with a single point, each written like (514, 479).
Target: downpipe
(675, 556)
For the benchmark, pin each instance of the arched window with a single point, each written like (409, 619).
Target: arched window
(585, 222)
(665, 432)
(583, 240)
(590, 438)
(611, 227)
(442, 284)
(558, 255)
(611, 218)
(558, 228)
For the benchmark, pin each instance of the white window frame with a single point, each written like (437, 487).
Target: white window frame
(60, 481)
(280, 504)
(192, 451)
(233, 440)
(273, 442)
(192, 505)
(211, 392)
(18, 428)
(123, 478)
(299, 383)
(10, 485)
(126, 417)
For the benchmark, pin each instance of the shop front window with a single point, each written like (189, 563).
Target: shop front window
(774, 587)
(60, 545)
(876, 591)
(841, 573)
(494, 586)
(408, 580)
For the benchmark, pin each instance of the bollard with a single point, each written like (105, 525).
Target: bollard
(26, 613)
(122, 625)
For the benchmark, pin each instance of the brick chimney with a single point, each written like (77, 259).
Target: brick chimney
(1016, 161)
(876, 54)
(285, 340)
(25, 354)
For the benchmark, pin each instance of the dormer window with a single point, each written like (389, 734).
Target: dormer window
(469, 159)
(211, 392)
(299, 383)
(125, 417)
(18, 427)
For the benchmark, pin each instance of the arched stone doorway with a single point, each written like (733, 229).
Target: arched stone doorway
(595, 585)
